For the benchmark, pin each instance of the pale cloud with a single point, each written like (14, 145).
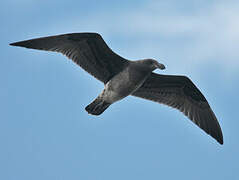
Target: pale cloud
(213, 31)
(205, 36)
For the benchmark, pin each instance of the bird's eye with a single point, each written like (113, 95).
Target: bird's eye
(151, 62)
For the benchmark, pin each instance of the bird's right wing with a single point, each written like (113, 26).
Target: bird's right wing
(88, 50)
(179, 92)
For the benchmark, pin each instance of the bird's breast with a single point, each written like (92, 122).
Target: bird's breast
(124, 83)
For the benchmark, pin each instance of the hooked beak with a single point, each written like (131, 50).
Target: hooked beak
(160, 66)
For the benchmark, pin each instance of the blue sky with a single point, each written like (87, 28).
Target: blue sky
(45, 133)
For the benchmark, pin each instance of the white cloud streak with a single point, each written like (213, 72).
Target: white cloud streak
(209, 35)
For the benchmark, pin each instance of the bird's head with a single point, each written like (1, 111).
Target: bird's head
(153, 64)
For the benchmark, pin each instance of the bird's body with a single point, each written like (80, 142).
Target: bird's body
(121, 85)
(126, 82)
(123, 77)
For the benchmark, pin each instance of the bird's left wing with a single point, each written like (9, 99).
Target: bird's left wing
(179, 92)
(88, 50)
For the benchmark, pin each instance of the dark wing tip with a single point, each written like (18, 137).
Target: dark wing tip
(13, 44)
(217, 134)
(32, 44)
(215, 129)
(220, 141)
(220, 138)
(37, 43)
(20, 43)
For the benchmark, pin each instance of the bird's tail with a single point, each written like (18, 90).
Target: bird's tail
(97, 107)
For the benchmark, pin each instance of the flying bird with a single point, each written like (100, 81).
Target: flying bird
(122, 77)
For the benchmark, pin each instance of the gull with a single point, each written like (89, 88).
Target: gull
(122, 77)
